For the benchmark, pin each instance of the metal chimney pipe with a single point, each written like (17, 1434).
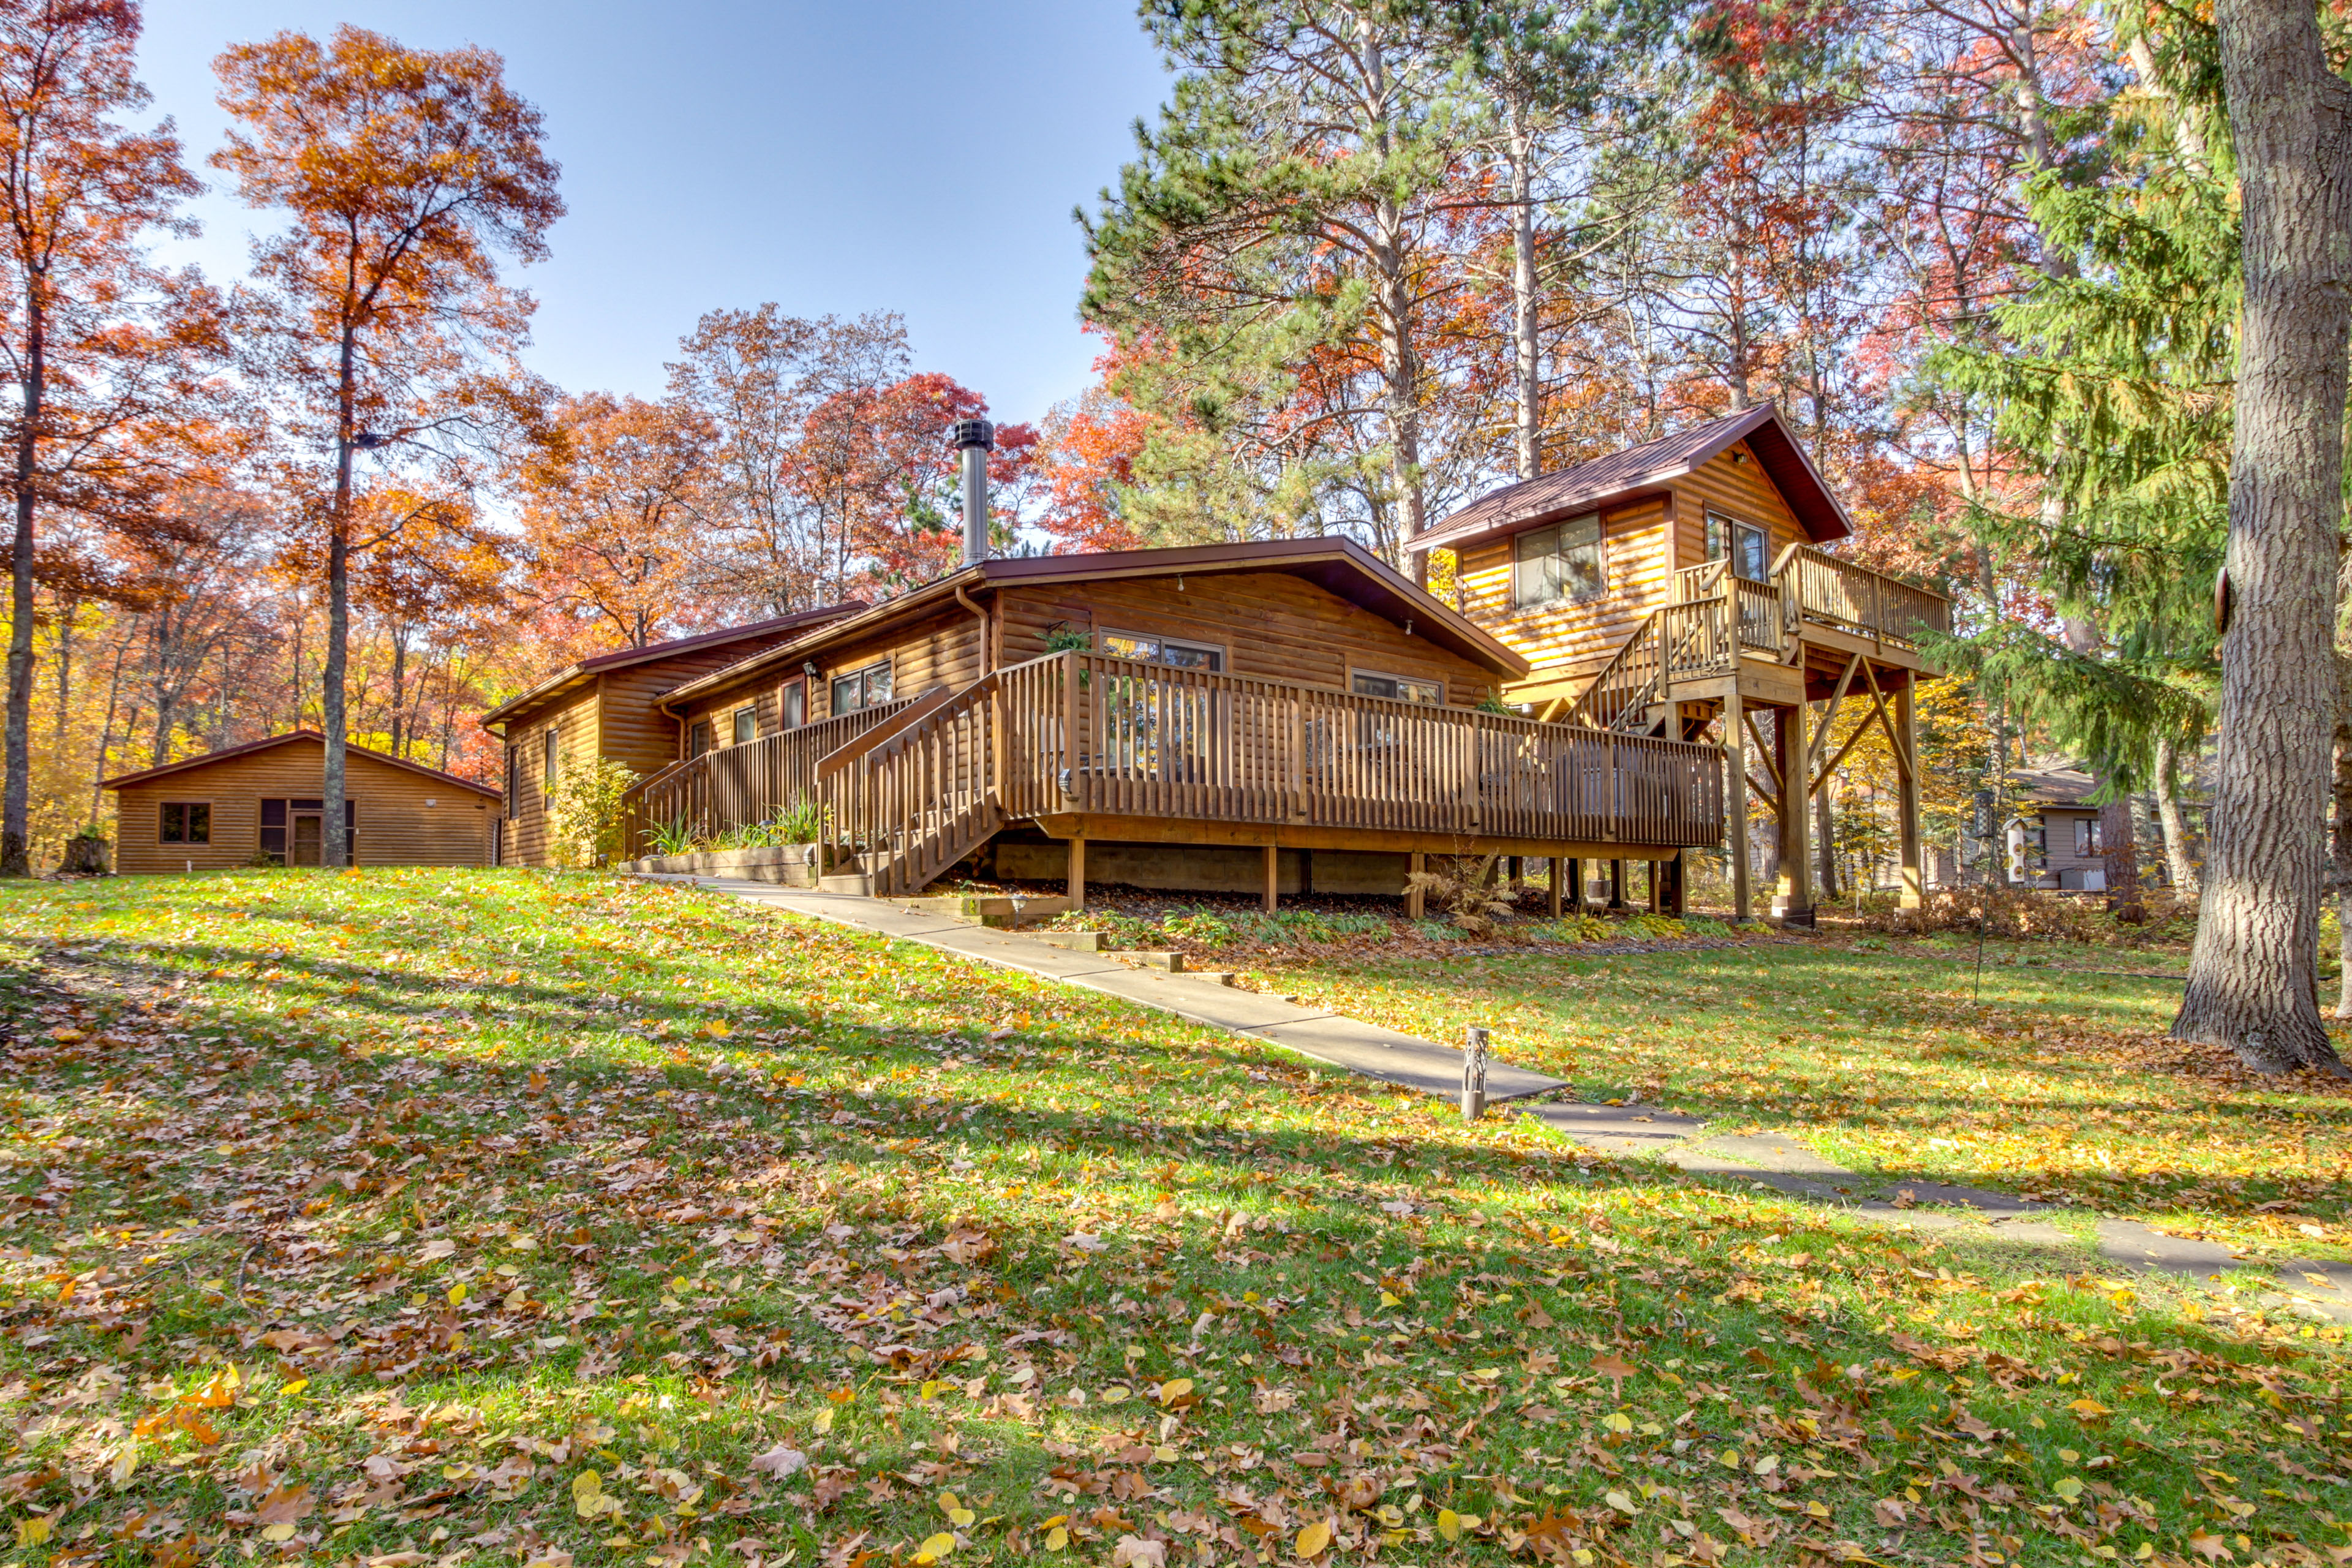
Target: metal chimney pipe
(977, 439)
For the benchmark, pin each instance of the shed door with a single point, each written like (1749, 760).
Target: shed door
(308, 836)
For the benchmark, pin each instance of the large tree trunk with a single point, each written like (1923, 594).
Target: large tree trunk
(2179, 867)
(2340, 867)
(1823, 831)
(2252, 979)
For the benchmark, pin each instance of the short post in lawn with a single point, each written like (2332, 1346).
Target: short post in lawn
(1474, 1074)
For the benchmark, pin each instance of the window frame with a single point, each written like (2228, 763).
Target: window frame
(1724, 532)
(697, 739)
(2086, 837)
(551, 743)
(864, 677)
(193, 814)
(1220, 654)
(1556, 586)
(791, 703)
(744, 719)
(1437, 687)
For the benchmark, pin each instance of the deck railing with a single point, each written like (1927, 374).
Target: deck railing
(736, 786)
(1818, 589)
(1086, 733)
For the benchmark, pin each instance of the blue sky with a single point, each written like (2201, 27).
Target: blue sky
(920, 157)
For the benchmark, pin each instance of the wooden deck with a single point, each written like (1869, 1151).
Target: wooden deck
(1088, 746)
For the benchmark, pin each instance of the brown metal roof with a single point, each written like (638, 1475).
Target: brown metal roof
(1623, 474)
(227, 752)
(622, 658)
(1332, 562)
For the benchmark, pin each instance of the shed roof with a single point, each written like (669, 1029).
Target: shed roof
(229, 753)
(1627, 473)
(1333, 563)
(575, 674)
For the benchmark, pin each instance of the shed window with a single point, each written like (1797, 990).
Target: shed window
(273, 824)
(1400, 687)
(747, 725)
(1148, 650)
(2087, 835)
(1557, 564)
(867, 687)
(552, 744)
(186, 822)
(1746, 546)
(791, 705)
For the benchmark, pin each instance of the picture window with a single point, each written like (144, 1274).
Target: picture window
(187, 822)
(1558, 564)
(1398, 688)
(860, 689)
(1146, 649)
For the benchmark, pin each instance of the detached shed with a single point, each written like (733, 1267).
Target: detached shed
(226, 807)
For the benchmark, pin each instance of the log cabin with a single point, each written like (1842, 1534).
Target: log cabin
(1681, 588)
(260, 803)
(603, 708)
(1280, 716)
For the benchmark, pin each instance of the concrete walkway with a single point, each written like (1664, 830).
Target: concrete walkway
(1333, 1038)
(2321, 1290)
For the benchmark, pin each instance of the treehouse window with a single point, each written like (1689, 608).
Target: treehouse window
(867, 687)
(747, 725)
(791, 705)
(1399, 688)
(2087, 835)
(187, 822)
(698, 738)
(1746, 545)
(1146, 649)
(1555, 564)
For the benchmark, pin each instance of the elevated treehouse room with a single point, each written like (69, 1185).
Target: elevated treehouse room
(1678, 589)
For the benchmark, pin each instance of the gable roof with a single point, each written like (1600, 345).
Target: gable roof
(575, 674)
(228, 753)
(1626, 473)
(1333, 563)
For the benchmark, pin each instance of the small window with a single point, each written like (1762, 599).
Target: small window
(747, 726)
(552, 744)
(2087, 835)
(867, 687)
(1747, 546)
(1400, 687)
(697, 737)
(1557, 563)
(1146, 649)
(273, 828)
(791, 705)
(187, 822)
(514, 778)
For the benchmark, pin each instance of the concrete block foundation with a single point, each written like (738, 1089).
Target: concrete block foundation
(1209, 869)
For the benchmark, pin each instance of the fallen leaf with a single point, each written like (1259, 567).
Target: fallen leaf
(781, 1461)
(1313, 1538)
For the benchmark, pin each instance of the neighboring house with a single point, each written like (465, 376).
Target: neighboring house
(234, 806)
(603, 708)
(2054, 837)
(1680, 588)
(1276, 716)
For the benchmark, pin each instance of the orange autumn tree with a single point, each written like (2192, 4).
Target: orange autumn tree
(377, 321)
(103, 348)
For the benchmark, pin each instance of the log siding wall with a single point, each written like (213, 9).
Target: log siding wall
(396, 827)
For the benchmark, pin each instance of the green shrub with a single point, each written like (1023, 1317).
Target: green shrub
(584, 816)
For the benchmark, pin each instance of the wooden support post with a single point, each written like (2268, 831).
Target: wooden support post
(1677, 902)
(1558, 872)
(1273, 878)
(1793, 902)
(1906, 810)
(1415, 900)
(1518, 876)
(1657, 892)
(1576, 885)
(1734, 815)
(1616, 884)
(1077, 873)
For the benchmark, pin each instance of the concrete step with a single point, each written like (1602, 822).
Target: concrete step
(1072, 941)
(856, 883)
(988, 910)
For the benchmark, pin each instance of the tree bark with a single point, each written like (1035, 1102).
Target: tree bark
(1822, 829)
(2120, 856)
(16, 792)
(1521, 155)
(339, 606)
(2340, 867)
(2179, 867)
(2251, 978)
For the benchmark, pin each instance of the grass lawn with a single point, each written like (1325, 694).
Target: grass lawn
(2051, 1078)
(433, 1218)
